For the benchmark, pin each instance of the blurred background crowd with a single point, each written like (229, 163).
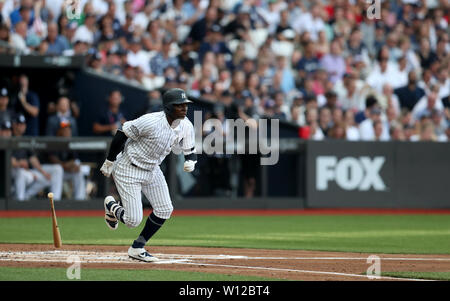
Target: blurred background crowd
(344, 69)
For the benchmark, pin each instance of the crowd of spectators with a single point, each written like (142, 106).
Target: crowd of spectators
(343, 69)
(332, 67)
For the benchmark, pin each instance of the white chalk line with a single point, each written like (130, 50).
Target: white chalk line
(106, 255)
(187, 262)
(116, 257)
(301, 271)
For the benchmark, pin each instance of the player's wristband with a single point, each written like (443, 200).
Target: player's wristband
(192, 157)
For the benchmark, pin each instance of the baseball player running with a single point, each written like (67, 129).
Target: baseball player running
(146, 141)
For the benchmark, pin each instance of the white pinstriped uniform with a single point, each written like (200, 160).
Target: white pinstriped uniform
(136, 168)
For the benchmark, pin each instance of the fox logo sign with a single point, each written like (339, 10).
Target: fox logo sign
(350, 173)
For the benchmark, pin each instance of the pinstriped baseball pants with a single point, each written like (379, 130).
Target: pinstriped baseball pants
(131, 181)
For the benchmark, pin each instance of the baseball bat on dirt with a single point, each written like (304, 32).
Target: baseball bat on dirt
(56, 234)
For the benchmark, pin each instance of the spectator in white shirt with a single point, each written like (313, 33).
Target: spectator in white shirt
(143, 18)
(18, 38)
(310, 22)
(427, 104)
(271, 14)
(367, 129)
(378, 131)
(352, 130)
(350, 91)
(382, 73)
(137, 57)
(85, 32)
(443, 81)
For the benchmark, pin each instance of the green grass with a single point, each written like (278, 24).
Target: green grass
(60, 274)
(415, 234)
(419, 275)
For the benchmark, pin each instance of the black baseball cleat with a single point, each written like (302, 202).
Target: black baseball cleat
(110, 219)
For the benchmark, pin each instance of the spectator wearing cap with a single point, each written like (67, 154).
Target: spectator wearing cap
(57, 44)
(63, 114)
(5, 129)
(113, 62)
(68, 32)
(27, 103)
(163, 59)
(70, 163)
(6, 113)
(30, 176)
(95, 62)
(370, 102)
(109, 120)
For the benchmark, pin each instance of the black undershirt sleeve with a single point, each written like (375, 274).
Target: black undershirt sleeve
(192, 157)
(117, 145)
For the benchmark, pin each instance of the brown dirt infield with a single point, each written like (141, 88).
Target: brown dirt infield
(279, 264)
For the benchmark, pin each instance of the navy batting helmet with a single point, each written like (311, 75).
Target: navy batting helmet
(172, 97)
